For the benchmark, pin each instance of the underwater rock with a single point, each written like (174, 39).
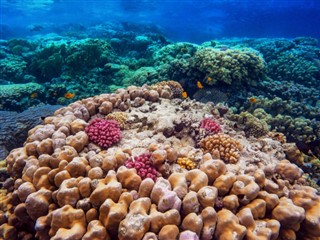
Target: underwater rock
(15, 126)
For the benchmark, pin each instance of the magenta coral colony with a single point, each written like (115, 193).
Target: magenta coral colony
(143, 165)
(104, 132)
(210, 126)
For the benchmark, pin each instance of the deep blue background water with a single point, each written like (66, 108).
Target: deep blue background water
(193, 21)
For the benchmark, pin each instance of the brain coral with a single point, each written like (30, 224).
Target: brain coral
(62, 186)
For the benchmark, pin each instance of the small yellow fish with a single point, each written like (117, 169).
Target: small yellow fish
(184, 94)
(209, 79)
(69, 95)
(34, 95)
(253, 100)
(199, 85)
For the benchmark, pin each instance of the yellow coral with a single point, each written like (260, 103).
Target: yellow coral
(120, 117)
(227, 147)
(186, 163)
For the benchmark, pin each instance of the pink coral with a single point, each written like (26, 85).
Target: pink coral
(210, 126)
(143, 165)
(103, 132)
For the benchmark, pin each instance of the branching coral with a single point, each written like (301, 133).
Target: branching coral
(228, 148)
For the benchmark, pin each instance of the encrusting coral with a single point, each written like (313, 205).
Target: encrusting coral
(68, 182)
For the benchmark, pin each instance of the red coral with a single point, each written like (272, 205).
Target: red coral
(143, 165)
(103, 132)
(210, 126)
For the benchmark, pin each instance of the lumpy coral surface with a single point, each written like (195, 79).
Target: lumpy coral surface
(75, 178)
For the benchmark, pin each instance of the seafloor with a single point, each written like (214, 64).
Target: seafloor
(218, 140)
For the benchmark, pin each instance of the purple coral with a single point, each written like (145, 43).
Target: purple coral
(103, 132)
(143, 165)
(210, 126)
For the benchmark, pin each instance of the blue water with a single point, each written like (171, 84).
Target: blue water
(194, 21)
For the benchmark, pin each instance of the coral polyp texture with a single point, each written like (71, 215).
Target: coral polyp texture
(104, 132)
(210, 126)
(157, 181)
(143, 165)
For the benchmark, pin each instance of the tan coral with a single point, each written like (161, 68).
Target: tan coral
(192, 222)
(179, 184)
(308, 198)
(289, 215)
(190, 203)
(129, 178)
(68, 192)
(258, 229)
(209, 219)
(120, 117)
(228, 148)
(245, 188)
(109, 187)
(112, 213)
(271, 200)
(228, 226)
(137, 221)
(231, 202)
(197, 179)
(96, 231)
(106, 107)
(258, 208)
(64, 223)
(169, 232)
(146, 187)
(213, 169)
(78, 141)
(161, 219)
(224, 183)
(207, 196)
(288, 171)
(78, 167)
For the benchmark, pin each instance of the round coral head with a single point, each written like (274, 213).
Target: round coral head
(104, 132)
(210, 126)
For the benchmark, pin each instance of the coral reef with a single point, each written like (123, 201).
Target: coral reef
(252, 125)
(238, 187)
(232, 66)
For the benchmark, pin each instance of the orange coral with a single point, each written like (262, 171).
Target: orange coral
(228, 148)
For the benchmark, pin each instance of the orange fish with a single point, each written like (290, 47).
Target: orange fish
(184, 94)
(253, 100)
(69, 95)
(209, 79)
(199, 85)
(34, 95)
